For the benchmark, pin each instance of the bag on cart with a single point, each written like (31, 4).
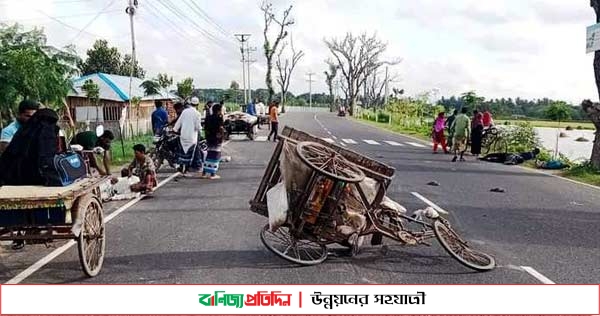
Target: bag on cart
(66, 168)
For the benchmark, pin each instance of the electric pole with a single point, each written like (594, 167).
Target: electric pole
(387, 81)
(243, 38)
(310, 81)
(249, 61)
(131, 11)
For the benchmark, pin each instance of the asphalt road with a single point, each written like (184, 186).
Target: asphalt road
(201, 231)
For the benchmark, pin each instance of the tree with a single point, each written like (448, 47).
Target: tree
(30, 69)
(471, 99)
(285, 69)
(185, 88)
(357, 58)
(558, 111)
(593, 109)
(330, 75)
(234, 87)
(271, 48)
(92, 92)
(165, 81)
(151, 87)
(101, 58)
(125, 69)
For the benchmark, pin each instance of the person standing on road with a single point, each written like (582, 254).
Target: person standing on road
(188, 126)
(160, 118)
(251, 108)
(26, 110)
(438, 133)
(274, 118)
(448, 126)
(487, 119)
(215, 132)
(476, 133)
(460, 126)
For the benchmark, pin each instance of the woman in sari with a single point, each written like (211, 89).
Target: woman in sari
(214, 132)
(438, 133)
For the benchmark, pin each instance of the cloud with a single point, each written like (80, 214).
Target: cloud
(528, 48)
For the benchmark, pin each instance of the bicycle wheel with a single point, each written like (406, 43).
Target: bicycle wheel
(459, 249)
(281, 242)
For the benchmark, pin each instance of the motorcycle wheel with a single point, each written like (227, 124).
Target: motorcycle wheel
(156, 158)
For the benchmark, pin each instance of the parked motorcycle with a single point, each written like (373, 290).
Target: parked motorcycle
(167, 147)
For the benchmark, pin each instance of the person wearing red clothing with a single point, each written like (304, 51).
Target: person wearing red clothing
(438, 133)
(487, 119)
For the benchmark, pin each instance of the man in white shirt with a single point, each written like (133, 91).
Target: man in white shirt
(188, 126)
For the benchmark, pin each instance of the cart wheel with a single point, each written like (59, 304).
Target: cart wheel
(329, 162)
(302, 252)
(459, 249)
(91, 241)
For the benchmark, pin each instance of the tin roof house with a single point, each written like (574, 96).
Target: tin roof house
(113, 103)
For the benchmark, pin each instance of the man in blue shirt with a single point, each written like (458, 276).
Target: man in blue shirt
(160, 118)
(251, 108)
(26, 110)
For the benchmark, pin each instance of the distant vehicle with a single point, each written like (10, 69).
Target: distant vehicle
(342, 111)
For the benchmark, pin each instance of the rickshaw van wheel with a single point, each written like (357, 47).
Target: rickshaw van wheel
(303, 252)
(91, 242)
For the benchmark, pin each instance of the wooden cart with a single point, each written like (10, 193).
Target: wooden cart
(336, 180)
(40, 215)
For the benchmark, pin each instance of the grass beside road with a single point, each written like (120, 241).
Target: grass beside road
(118, 159)
(551, 124)
(584, 173)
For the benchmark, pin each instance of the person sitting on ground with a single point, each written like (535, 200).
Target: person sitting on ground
(511, 158)
(26, 110)
(143, 168)
(88, 140)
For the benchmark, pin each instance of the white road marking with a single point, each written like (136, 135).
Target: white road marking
(349, 141)
(394, 143)
(343, 145)
(371, 142)
(329, 140)
(416, 144)
(260, 139)
(333, 137)
(537, 275)
(51, 256)
(428, 202)
(529, 270)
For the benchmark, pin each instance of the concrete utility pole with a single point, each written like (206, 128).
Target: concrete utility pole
(243, 38)
(310, 81)
(131, 11)
(249, 61)
(387, 90)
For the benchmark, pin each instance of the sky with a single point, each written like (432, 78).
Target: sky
(509, 48)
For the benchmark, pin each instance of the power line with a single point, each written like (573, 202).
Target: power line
(93, 19)
(60, 17)
(207, 17)
(182, 16)
(69, 26)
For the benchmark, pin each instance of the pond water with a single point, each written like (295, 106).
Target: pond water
(567, 145)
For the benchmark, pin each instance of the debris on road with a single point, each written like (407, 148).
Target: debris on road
(434, 183)
(498, 190)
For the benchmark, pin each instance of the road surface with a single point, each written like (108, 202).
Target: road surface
(541, 230)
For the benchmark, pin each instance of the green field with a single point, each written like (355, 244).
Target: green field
(118, 159)
(552, 124)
